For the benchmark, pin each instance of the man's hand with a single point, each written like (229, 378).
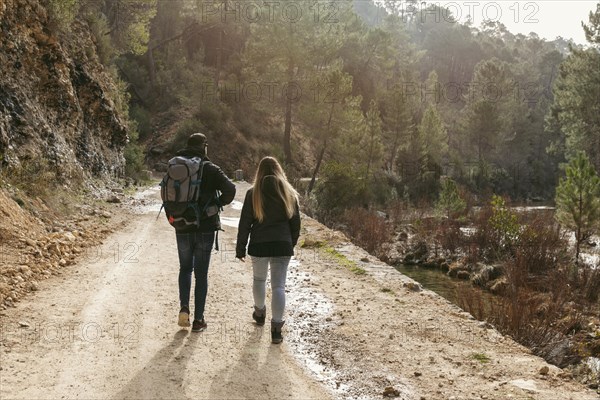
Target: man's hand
(242, 259)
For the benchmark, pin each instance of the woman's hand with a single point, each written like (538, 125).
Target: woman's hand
(242, 259)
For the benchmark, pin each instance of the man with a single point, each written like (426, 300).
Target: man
(195, 243)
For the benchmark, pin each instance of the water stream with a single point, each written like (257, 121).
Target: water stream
(436, 281)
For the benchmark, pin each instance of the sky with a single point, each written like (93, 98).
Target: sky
(547, 18)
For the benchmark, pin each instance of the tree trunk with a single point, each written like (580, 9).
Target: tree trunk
(393, 151)
(218, 66)
(311, 185)
(287, 132)
(151, 66)
(370, 160)
(578, 234)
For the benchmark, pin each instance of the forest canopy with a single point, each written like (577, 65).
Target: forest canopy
(400, 93)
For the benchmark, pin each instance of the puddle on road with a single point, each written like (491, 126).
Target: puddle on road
(308, 310)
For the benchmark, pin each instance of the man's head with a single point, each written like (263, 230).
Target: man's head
(198, 140)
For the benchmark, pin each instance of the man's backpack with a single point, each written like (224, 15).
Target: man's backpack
(180, 192)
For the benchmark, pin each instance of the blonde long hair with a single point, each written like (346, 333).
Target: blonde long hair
(285, 191)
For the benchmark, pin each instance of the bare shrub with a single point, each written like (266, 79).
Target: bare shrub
(400, 211)
(449, 236)
(540, 246)
(535, 319)
(480, 241)
(367, 229)
(589, 283)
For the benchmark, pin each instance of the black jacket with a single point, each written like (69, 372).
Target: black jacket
(214, 181)
(275, 236)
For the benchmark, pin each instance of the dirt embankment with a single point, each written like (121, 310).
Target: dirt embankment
(37, 241)
(356, 328)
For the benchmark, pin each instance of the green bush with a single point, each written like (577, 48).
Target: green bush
(214, 116)
(504, 224)
(134, 160)
(450, 203)
(187, 127)
(380, 189)
(134, 157)
(143, 119)
(339, 188)
(99, 26)
(61, 13)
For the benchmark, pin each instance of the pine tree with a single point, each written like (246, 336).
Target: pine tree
(578, 200)
(450, 203)
(433, 136)
(576, 93)
(374, 148)
(332, 118)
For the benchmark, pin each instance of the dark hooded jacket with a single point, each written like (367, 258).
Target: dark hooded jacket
(216, 188)
(276, 235)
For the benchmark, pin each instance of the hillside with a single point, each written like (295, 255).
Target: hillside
(59, 109)
(63, 130)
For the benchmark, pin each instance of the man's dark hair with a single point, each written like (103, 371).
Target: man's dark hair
(197, 140)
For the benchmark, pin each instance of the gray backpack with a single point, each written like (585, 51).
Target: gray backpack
(180, 191)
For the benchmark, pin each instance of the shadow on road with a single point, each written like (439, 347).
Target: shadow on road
(258, 373)
(162, 377)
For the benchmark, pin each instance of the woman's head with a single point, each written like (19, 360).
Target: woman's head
(270, 176)
(268, 166)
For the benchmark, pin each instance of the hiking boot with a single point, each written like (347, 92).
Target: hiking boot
(276, 336)
(198, 326)
(259, 315)
(184, 317)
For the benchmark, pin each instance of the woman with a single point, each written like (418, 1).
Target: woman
(271, 217)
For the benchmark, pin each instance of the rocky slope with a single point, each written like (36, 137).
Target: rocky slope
(57, 102)
(61, 121)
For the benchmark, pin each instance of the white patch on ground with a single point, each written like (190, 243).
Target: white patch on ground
(538, 208)
(146, 201)
(236, 205)
(230, 221)
(468, 231)
(294, 263)
(594, 364)
(591, 259)
(527, 385)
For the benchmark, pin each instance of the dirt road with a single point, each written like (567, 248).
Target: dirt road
(106, 329)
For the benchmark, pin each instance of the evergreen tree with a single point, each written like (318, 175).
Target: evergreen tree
(433, 137)
(374, 146)
(577, 94)
(332, 117)
(450, 203)
(578, 200)
(129, 21)
(592, 30)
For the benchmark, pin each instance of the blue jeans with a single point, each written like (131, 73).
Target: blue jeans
(279, 266)
(194, 255)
